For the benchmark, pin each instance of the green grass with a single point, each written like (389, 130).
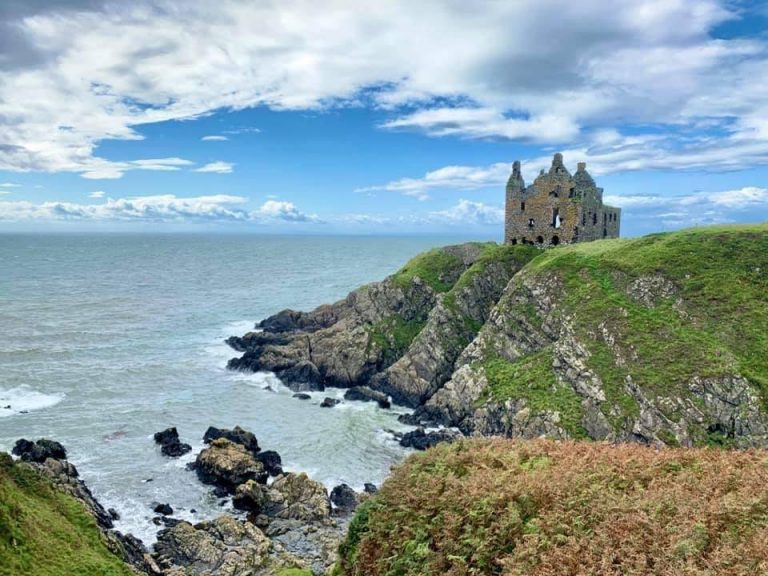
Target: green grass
(394, 335)
(721, 274)
(44, 532)
(532, 379)
(435, 267)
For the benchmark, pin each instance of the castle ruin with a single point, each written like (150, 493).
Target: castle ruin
(557, 208)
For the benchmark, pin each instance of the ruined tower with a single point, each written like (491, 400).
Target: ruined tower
(558, 208)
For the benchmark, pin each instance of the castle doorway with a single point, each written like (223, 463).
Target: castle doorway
(555, 240)
(539, 239)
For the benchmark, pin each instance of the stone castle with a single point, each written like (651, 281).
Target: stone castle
(557, 208)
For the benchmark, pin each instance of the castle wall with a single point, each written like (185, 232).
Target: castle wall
(557, 208)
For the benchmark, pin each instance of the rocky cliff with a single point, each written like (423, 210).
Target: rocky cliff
(660, 339)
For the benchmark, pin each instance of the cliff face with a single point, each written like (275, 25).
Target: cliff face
(660, 339)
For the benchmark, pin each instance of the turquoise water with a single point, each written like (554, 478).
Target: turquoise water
(106, 339)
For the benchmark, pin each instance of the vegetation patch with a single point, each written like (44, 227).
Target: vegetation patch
(394, 335)
(436, 268)
(47, 533)
(532, 379)
(544, 508)
(715, 323)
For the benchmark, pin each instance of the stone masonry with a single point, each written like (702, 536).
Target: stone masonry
(558, 208)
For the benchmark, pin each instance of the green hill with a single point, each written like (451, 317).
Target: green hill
(44, 532)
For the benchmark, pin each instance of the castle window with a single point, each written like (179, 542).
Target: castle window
(556, 218)
(539, 239)
(514, 241)
(555, 193)
(571, 193)
(583, 219)
(605, 218)
(531, 223)
(594, 218)
(605, 232)
(522, 206)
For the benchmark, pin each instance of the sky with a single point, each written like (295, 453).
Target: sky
(387, 117)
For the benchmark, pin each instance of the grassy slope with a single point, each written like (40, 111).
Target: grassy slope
(721, 274)
(548, 508)
(436, 268)
(46, 533)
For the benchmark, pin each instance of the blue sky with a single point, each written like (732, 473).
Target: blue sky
(322, 117)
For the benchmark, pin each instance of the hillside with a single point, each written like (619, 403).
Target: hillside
(658, 339)
(547, 508)
(46, 532)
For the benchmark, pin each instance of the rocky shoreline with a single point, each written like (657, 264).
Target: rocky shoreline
(288, 520)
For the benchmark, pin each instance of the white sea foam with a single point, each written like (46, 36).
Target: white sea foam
(24, 399)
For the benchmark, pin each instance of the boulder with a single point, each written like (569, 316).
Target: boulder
(170, 444)
(344, 499)
(272, 462)
(329, 402)
(302, 396)
(365, 394)
(250, 496)
(420, 439)
(39, 451)
(228, 465)
(370, 488)
(297, 497)
(237, 435)
(164, 509)
(224, 547)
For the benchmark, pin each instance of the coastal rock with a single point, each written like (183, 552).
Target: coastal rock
(297, 497)
(222, 547)
(170, 445)
(344, 499)
(237, 435)
(39, 451)
(329, 402)
(273, 463)
(303, 376)
(370, 488)
(365, 394)
(302, 396)
(228, 465)
(163, 509)
(420, 439)
(250, 496)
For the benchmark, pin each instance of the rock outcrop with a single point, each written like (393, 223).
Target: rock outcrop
(227, 465)
(170, 444)
(656, 340)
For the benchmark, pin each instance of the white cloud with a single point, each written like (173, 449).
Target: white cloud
(214, 138)
(469, 212)
(145, 208)
(96, 194)
(217, 168)
(547, 71)
(281, 210)
(103, 170)
(10, 185)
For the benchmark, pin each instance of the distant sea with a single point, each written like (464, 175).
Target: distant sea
(106, 339)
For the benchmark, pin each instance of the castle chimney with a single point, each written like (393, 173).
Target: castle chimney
(557, 160)
(581, 166)
(515, 183)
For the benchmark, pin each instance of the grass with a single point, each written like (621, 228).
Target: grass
(394, 335)
(532, 379)
(435, 267)
(545, 508)
(720, 274)
(47, 533)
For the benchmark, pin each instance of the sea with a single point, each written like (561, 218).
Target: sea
(106, 339)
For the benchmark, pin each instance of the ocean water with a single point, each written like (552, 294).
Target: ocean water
(107, 339)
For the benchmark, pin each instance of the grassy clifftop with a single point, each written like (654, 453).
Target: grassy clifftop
(44, 532)
(550, 508)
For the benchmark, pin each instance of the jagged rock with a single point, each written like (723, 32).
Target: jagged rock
(222, 547)
(301, 377)
(272, 462)
(170, 445)
(39, 451)
(370, 488)
(297, 497)
(250, 496)
(228, 465)
(329, 402)
(113, 514)
(365, 394)
(163, 509)
(237, 435)
(420, 439)
(344, 499)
